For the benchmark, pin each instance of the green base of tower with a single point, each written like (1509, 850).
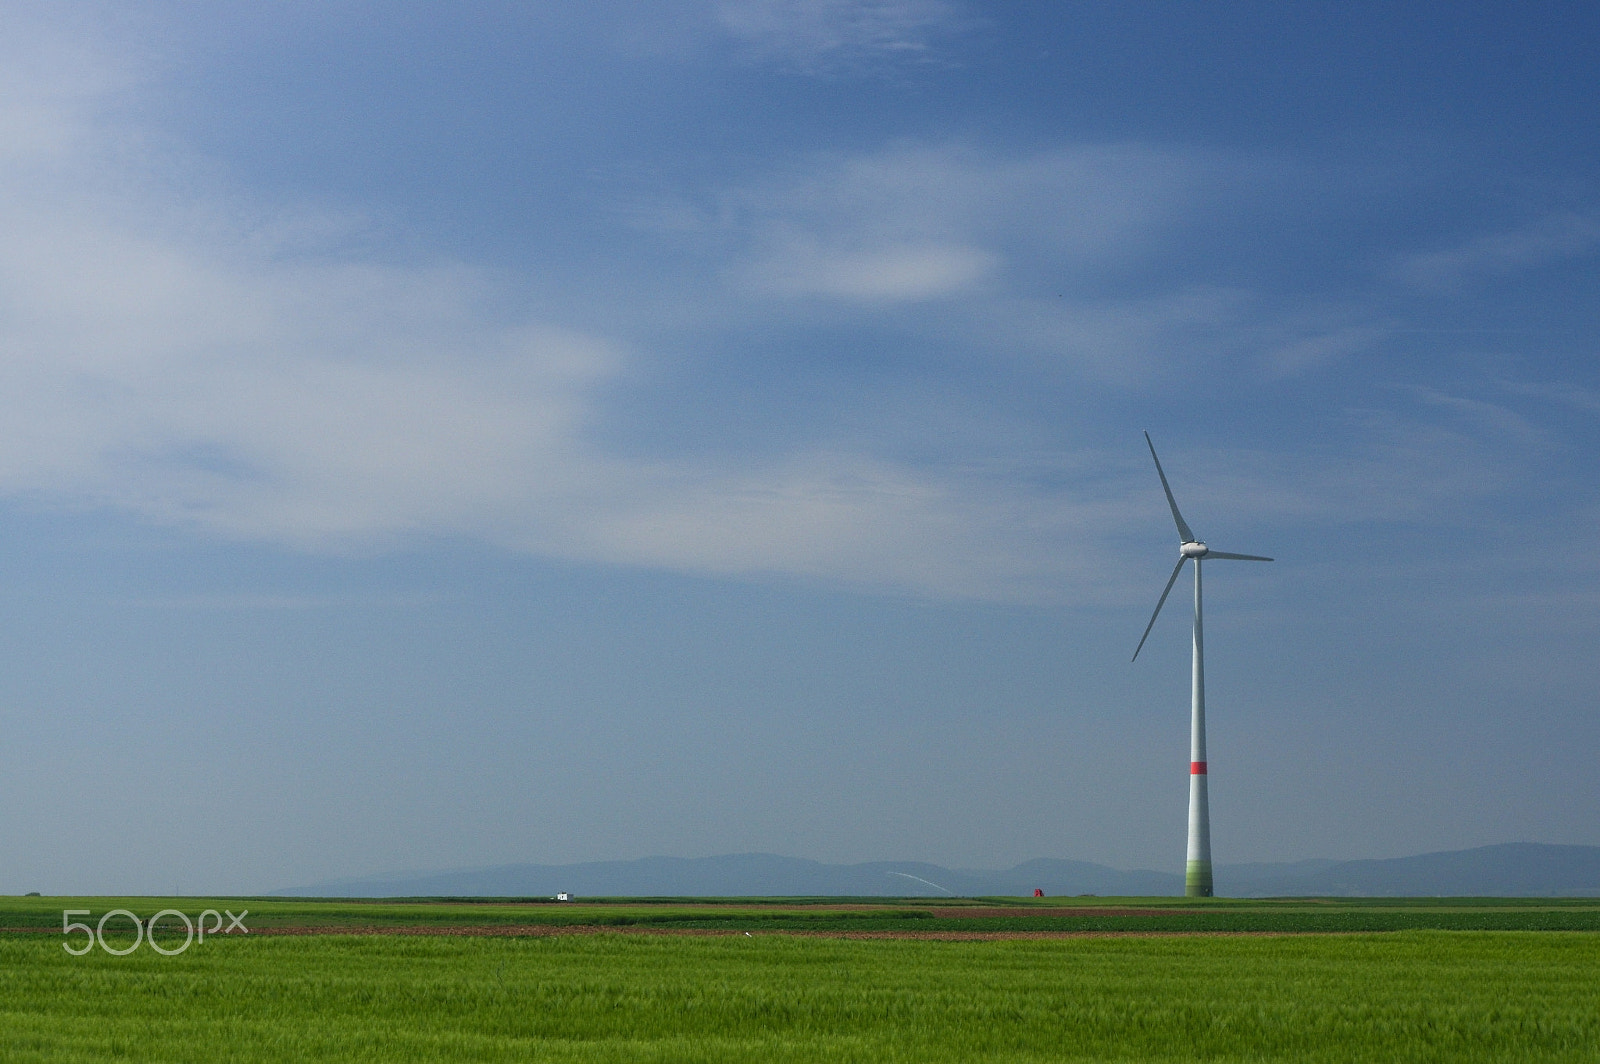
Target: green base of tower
(1197, 880)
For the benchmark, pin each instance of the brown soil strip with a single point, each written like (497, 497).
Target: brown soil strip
(549, 930)
(1023, 911)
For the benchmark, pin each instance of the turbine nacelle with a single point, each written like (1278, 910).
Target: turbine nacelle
(1193, 549)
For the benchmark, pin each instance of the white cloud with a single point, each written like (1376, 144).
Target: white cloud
(847, 517)
(198, 360)
(1085, 204)
(1059, 259)
(893, 273)
(181, 360)
(332, 404)
(912, 222)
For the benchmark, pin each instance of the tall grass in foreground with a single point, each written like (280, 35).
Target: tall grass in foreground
(1411, 996)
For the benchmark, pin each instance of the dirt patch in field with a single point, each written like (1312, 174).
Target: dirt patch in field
(1031, 911)
(548, 930)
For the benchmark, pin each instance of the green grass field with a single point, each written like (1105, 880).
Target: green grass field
(628, 993)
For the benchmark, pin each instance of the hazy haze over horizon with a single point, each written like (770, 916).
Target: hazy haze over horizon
(447, 437)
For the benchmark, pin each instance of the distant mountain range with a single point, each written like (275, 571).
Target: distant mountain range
(1511, 869)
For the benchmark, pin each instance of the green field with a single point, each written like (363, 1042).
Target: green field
(635, 991)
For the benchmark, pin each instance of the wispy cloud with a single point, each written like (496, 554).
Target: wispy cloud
(191, 365)
(205, 361)
(1060, 257)
(324, 404)
(281, 603)
(1568, 394)
(915, 222)
(833, 36)
(1320, 346)
(1553, 238)
(888, 273)
(1088, 206)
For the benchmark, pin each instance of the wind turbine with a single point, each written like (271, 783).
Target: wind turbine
(1197, 874)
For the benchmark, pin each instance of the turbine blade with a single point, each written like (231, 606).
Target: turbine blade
(1173, 579)
(1185, 536)
(1235, 557)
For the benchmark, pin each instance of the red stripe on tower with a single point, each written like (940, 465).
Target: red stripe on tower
(1197, 768)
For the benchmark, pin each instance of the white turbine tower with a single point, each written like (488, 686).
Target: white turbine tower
(1197, 875)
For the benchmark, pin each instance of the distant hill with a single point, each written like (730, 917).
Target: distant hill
(752, 874)
(1511, 869)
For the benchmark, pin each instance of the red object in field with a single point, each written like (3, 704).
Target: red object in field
(1037, 893)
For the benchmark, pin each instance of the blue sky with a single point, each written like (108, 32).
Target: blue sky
(441, 437)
